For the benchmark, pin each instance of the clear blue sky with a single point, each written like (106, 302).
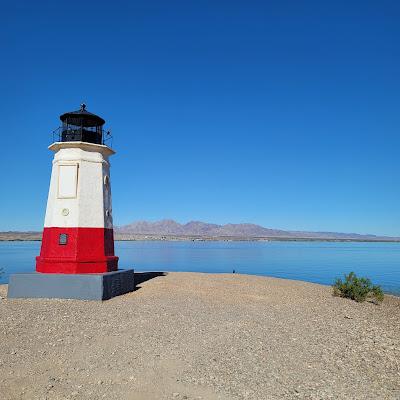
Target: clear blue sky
(281, 113)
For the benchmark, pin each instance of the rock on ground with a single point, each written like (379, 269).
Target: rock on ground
(201, 336)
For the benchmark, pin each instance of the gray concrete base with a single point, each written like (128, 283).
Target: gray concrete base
(71, 286)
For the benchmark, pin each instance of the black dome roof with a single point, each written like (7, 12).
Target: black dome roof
(82, 117)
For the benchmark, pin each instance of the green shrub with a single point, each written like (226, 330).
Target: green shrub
(358, 289)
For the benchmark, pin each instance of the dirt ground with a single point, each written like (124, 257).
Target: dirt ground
(201, 336)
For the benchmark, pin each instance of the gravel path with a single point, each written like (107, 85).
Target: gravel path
(202, 336)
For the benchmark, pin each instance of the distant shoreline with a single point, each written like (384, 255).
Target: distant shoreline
(37, 236)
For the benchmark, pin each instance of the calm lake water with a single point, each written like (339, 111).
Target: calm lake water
(318, 262)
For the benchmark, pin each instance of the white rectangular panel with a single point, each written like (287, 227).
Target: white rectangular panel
(67, 181)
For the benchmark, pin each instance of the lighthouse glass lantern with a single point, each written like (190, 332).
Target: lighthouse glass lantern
(78, 229)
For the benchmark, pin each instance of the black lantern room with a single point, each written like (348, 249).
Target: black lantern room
(82, 126)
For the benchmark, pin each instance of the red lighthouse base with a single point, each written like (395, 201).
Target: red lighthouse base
(77, 251)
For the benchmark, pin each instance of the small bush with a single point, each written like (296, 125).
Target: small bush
(358, 289)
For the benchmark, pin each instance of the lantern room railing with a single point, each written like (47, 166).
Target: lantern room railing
(96, 135)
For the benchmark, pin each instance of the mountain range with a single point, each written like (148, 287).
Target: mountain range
(169, 227)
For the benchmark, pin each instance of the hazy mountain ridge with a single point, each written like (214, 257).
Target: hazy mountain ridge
(198, 228)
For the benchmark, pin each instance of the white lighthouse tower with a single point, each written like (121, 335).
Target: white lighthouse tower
(78, 228)
(77, 257)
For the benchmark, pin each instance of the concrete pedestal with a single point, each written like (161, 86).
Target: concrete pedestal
(71, 286)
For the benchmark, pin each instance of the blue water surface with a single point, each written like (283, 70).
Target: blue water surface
(319, 262)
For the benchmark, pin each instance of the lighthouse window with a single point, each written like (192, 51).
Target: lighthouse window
(67, 181)
(63, 239)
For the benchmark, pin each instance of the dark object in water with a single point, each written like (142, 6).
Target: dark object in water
(233, 271)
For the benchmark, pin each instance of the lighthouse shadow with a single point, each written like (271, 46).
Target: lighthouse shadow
(141, 277)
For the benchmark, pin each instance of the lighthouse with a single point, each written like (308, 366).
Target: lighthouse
(78, 228)
(77, 257)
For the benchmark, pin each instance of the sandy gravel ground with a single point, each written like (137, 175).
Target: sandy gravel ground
(201, 336)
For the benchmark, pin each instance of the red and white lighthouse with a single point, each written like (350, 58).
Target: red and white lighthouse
(77, 259)
(78, 229)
